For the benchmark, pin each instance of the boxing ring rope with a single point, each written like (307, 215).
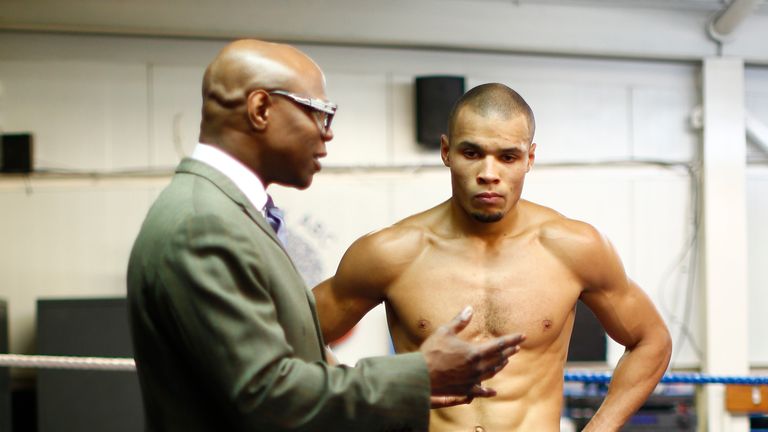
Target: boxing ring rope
(128, 364)
(67, 362)
(674, 378)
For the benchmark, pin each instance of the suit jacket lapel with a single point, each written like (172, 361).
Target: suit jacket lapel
(195, 167)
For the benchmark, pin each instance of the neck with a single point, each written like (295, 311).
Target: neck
(241, 147)
(466, 224)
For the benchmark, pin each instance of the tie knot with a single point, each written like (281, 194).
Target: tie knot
(274, 216)
(270, 204)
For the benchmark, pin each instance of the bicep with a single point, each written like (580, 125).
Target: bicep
(339, 309)
(356, 288)
(624, 309)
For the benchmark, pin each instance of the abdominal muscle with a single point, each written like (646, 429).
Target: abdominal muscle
(529, 398)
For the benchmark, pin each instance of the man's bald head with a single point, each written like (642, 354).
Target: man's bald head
(242, 67)
(493, 100)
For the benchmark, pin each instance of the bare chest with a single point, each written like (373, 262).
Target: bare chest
(512, 290)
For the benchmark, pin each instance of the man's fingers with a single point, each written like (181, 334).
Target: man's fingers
(491, 371)
(494, 360)
(460, 321)
(448, 401)
(509, 352)
(505, 345)
(477, 391)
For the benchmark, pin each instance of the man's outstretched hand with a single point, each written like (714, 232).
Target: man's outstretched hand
(457, 367)
(448, 401)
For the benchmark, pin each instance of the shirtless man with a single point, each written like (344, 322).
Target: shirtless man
(521, 266)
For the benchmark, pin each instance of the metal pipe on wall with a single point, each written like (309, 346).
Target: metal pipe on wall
(729, 18)
(757, 131)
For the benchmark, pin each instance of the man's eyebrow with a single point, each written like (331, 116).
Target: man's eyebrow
(515, 150)
(469, 145)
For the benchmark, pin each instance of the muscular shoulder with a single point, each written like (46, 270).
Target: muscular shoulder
(570, 235)
(395, 246)
(381, 256)
(578, 245)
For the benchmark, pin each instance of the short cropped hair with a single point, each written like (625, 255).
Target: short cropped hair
(493, 99)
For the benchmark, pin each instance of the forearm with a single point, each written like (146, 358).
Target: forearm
(390, 392)
(634, 378)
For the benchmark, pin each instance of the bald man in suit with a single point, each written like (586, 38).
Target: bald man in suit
(225, 332)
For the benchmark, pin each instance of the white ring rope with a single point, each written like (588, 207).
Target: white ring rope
(67, 362)
(128, 364)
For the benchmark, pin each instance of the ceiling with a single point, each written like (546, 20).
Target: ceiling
(697, 5)
(649, 29)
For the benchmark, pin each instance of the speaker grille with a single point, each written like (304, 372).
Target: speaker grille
(435, 97)
(16, 153)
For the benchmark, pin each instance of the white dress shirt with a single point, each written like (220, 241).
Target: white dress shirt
(242, 177)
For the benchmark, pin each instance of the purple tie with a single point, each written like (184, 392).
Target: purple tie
(275, 218)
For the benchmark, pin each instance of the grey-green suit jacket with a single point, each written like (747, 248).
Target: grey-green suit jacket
(225, 331)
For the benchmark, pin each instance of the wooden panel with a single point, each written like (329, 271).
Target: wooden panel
(176, 105)
(757, 251)
(5, 376)
(660, 117)
(661, 233)
(743, 399)
(66, 239)
(577, 121)
(359, 127)
(84, 115)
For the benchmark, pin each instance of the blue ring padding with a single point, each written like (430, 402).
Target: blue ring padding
(688, 378)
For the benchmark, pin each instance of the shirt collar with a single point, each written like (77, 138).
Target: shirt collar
(245, 180)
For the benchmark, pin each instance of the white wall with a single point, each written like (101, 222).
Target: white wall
(100, 103)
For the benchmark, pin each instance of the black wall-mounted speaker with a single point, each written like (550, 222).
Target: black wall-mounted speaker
(16, 153)
(435, 97)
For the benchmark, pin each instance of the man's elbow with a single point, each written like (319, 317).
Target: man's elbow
(656, 348)
(667, 346)
(325, 310)
(662, 343)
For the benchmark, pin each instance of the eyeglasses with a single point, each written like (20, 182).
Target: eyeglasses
(325, 110)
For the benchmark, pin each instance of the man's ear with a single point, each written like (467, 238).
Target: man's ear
(258, 104)
(444, 147)
(531, 156)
